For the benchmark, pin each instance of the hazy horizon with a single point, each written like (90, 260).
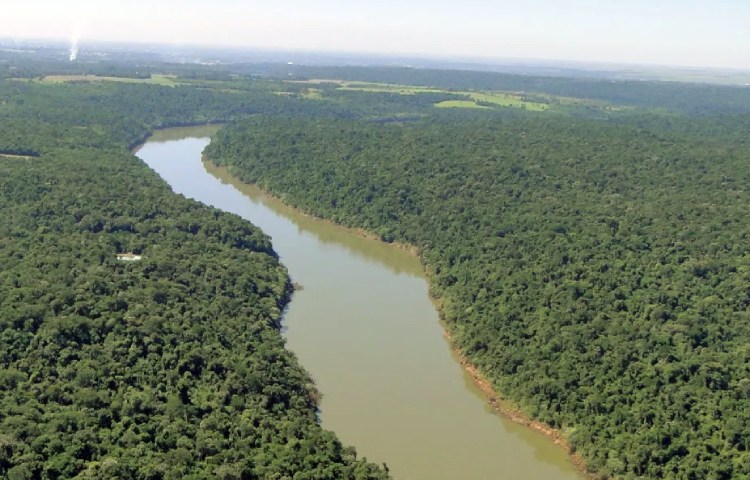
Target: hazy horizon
(664, 33)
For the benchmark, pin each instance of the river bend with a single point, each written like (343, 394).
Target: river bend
(365, 328)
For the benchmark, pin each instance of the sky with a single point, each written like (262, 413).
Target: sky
(713, 33)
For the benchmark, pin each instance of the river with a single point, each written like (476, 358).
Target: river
(364, 326)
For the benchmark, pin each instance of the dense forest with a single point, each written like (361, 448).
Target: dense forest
(592, 262)
(596, 272)
(171, 367)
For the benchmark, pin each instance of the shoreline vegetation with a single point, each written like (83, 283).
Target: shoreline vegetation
(494, 398)
(364, 233)
(150, 369)
(591, 258)
(513, 412)
(565, 274)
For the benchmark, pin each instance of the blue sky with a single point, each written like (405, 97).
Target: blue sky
(669, 32)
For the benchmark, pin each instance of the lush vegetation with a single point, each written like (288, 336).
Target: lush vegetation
(596, 272)
(682, 97)
(472, 98)
(590, 258)
(171, 367)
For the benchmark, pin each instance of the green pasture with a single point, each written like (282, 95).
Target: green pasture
(164, 80)
(459, 104)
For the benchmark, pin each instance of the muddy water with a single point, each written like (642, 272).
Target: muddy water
(364, 326)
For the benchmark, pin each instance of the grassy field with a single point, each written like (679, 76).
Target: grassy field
(17, 157)
(311, 94)
(507, 100)
(500, 99)
(388, 88)
(165, 80)
(307, 93)
(319, 81)
(458, 104)
(356, 86)
(479, 99)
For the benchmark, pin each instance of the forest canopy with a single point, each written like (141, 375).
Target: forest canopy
(591, 260)
(171, 367)
(597, 273)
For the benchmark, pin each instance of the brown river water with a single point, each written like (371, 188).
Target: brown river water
(363, 325)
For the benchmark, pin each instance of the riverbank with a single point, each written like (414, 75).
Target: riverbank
(411, 249)
(499, 405)
(513, 412)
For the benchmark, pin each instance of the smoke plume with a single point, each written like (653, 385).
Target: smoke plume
(74, 46)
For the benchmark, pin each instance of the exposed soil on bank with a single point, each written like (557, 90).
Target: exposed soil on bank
(513, 412)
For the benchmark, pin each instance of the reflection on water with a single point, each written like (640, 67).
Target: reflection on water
(381, 252)
(366, 330)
